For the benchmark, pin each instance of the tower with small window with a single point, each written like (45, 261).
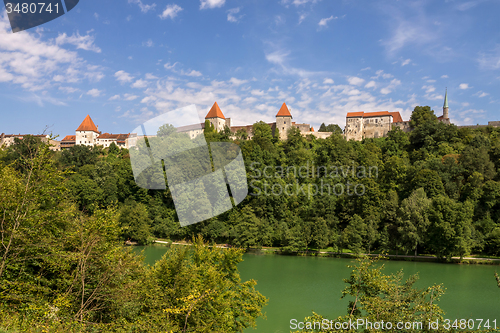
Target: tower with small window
(283, 121)
(87, 133)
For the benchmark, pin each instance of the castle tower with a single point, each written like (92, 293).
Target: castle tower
(283, 121)
(87, 133)
(216, 118)
(445, 106)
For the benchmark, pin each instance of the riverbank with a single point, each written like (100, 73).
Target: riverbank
(396, 257)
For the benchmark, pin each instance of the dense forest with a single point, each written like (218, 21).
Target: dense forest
(434, 190)
(66, 215)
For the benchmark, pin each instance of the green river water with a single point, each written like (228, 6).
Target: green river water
(296, 286)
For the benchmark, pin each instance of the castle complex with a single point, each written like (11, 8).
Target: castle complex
(87, 134)
(361, 125)
(282, 125)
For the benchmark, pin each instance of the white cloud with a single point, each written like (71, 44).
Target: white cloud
(279, 20)
(394, 83)
(211, 4)
(96, 16)
(298, 2)
(114, 98)
(464, 86)
(257, 92)
(481, 94)
(380, 73)
(371, 84)
(144, 8)
(170, 11)
(429, 89)
(231, 15)
(444, 76)
(355, 81)
(148, 43)
(69, 90)
(168, 66)
(130, 97)
(192, 73)
(140, 84)
(277, 57)
(34, 64)
(410, 25)
(302, 17)
(490, 60)
(328, 81)
(123, 76)
(94, 92)
(237, 82)
(431, 81)
(468, 5)
(250, 100)
(324, 21)
(81, 42)
(150, 76)
(406, 62)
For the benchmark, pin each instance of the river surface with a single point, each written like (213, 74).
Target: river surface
(296, 286)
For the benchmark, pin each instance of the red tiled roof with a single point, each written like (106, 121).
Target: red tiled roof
(107, 136)
(87, 125)
(113, 136)
(215, 112)
(396, 117)
(69, 138)
(354, 114)
(376, 114)
(284, 112)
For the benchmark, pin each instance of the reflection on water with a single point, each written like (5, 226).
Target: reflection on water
(296, 286)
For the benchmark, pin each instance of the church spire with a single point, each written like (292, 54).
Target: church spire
(446, 114)
(446, 99)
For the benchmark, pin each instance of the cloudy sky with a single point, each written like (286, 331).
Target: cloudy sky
(126, 61)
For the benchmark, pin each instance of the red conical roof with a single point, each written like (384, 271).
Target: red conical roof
(284, 112)
(87, 125)
(215, 112)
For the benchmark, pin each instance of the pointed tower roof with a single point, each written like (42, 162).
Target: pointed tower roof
(446, 99)
(215, 112)
(87, 125)
(284, 112)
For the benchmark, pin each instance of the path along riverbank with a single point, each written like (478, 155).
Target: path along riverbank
(423, 258)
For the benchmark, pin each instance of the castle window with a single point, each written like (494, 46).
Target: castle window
(285, 122)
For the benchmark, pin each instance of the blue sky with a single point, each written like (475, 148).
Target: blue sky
(126, 61)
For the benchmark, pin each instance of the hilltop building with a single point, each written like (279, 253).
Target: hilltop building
(87, 134)
(361, 125)
(283, 124)
(7, 140)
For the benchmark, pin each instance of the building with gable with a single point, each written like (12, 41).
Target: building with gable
(87, 134)
(361, 125)
(7, 140)
(283, 123)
